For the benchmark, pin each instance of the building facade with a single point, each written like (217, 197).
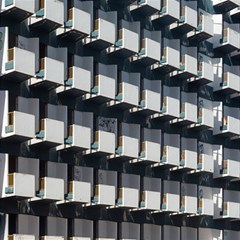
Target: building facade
(120, 119)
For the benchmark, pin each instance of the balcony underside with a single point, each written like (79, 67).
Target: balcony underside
(44, 25)
(15, 76)
(72, 35)
(16, 14)
(163, 20)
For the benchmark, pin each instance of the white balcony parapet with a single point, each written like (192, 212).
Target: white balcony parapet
(17, 128)
(15, 67)
(51, 238)
(79, 192)
(150, 151)
(230, 40)
(51, 133)
(188, 205)
(104, 31)
(168, 14)
(49, 15)
(50, 189)
(79, 137)
(77, 25)
(205, 206)
(20, 185)
(103, 143)
(128, 197)
(188, 159)
(21, 237)
(104, 195)
(47, 76)
(230, 168)
(230, 210)
(127, 43)
(150, 200)
(127, 147)
(170, 202)
(170, 156)
(205, 163)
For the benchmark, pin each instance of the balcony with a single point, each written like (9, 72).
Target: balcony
(17, 10)
(20, 237)
(77, 24)
(127, 96)
(103, 89)
(104, 31)
(169, 60)
(222, 6)
(170, 202)
(188, 109)
(230, 210)
(205, 117)
(17, 130)
(235, 14)
(187, 21)
(229, 42)
(80, 238)
(79, 138)
(20, 186)
(15, 67)
(230, 169)
(128, 147)
(230, 126)
(150, 102)
(104, 195)
(187, 68)
(127, 198)
(145, 7)
(168, 14)
(77, 83)
(150, 152)
(127, 43)
(170, 108)
(188, 205)
(149, 52)
(47, 76)
(205, 207)
(205, 163)
(204, 29)
(188, 160)
(50, 134)
(49, 16)
(170, 156)
(230, 83)
(50, 189)
(103, 143)
(204, 73)
(51, 238)
(78, 192)
(150, 200)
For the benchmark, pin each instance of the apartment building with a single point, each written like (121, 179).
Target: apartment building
(119, 119)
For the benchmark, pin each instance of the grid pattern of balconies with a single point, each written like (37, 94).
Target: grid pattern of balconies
(120, 120)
